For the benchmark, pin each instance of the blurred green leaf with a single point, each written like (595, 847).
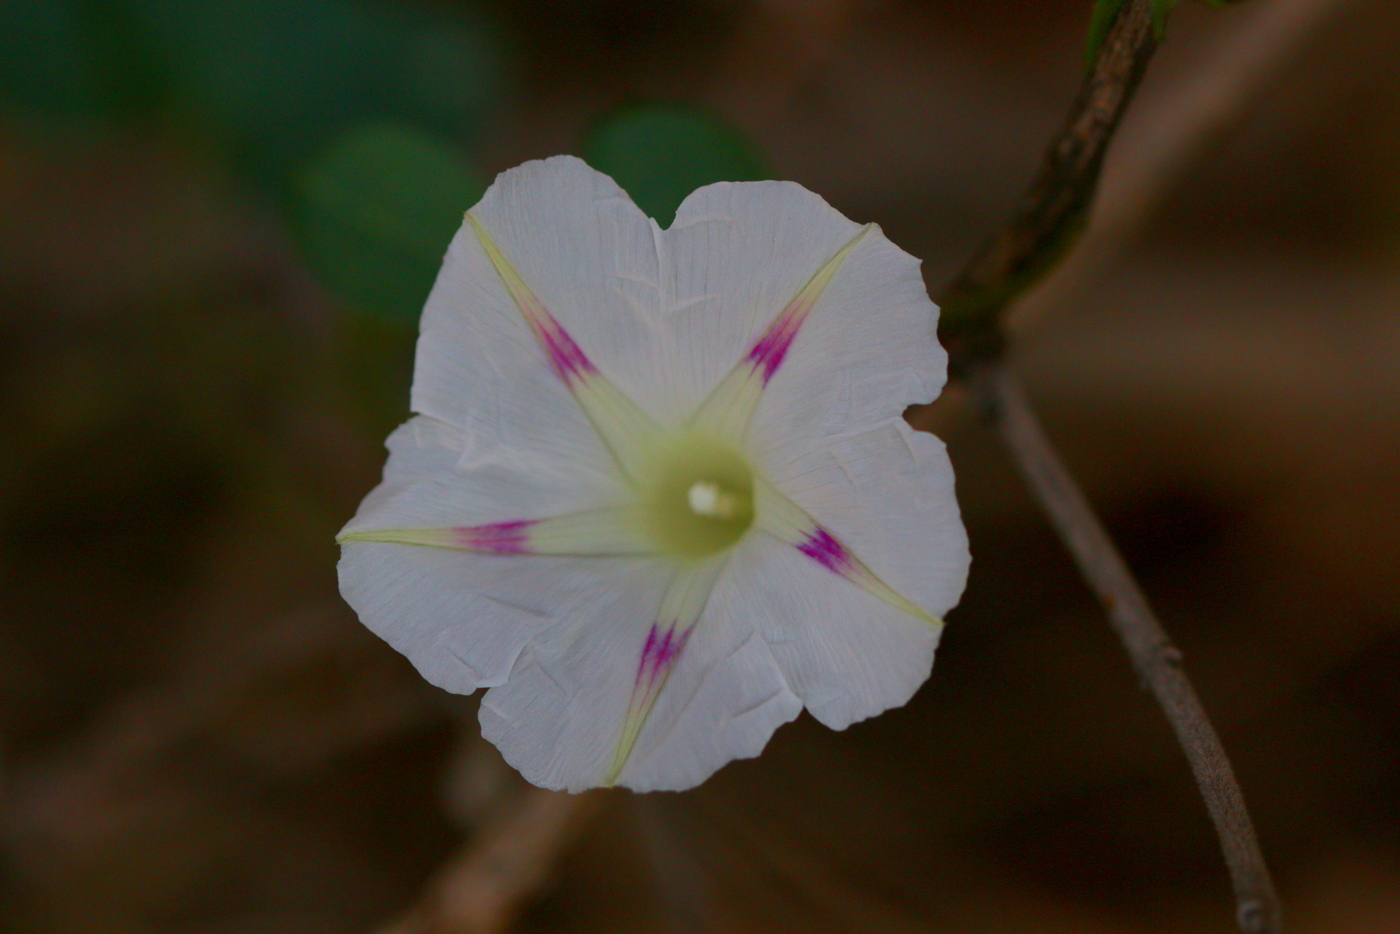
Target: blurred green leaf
(378, 208)
(85, 59)
(659, 153)
(43, 65)
(276, 79)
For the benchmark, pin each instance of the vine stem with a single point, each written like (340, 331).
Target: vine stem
(1157, 660)
(1050, 215)
(484, 887)
(1043, 228)
(1157, 148)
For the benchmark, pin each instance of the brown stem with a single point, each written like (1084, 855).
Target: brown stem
(484, 887)
(1157, 661)
(681, 884)
(142, 761)
(1169, 133)
(1051, 213)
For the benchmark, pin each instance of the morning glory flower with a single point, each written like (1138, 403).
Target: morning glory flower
(658, 495)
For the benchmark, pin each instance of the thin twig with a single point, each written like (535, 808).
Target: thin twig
(1045, 224)
(1163, 139)
(88, 793)
(1153, 153)
(1051, 213)
(682, 886)
(1157, 661)
(848, 906)
(483, 887)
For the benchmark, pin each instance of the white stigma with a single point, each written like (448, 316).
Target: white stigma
(706, 499)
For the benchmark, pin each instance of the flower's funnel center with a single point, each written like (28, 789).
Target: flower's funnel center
(701, 500)
(711, 500)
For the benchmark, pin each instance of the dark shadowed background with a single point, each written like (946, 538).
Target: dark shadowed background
(218, 222)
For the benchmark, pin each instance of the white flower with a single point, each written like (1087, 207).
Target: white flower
(658, 495)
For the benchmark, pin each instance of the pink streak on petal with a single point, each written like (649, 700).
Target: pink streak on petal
(568, 358)
(767, 355)
(501, 538)
(822, 548)
(659, 654)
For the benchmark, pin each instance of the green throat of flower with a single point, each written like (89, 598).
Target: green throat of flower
(699, 500)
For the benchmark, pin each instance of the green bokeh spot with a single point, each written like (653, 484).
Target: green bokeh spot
(272, 82)
(77, 61)
(378, 208)
(660, 153)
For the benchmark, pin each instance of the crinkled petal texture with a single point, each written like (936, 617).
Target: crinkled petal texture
(663, 315)
(558, 716)
(887, 492)
(738, 252)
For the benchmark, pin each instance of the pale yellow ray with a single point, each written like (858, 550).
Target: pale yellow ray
(628, 432)
(786, 521)
(681, 608)
(726, 413)
(599, 532)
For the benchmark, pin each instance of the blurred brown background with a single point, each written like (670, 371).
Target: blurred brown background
(198, 735)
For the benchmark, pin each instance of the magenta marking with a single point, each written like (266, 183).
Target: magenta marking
(568, 358)
(501, 538)
(767, 355)
(822, 548)
(659, 654)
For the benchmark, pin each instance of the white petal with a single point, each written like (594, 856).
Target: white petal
(665, 315)
(727, 411)
(627, 431)
(429, 485)
(723, 701)
(566, 230)
(734, 258)
(418, 449)
(867, 349)
(682, 605)
(559, 716)
(462, 619)
(887, 494)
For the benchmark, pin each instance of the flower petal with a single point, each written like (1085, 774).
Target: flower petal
(506, 486)
(886, 495)
(681, 606)
(790, 524)
(627, 431)
(723, 701)
(570, 233)
(560, 715)
(727, 411)
(666, 315)
(614, 530)
(418, 449)
(867, 349)
(462, 619)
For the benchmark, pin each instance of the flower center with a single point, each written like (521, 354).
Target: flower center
(700, 500)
